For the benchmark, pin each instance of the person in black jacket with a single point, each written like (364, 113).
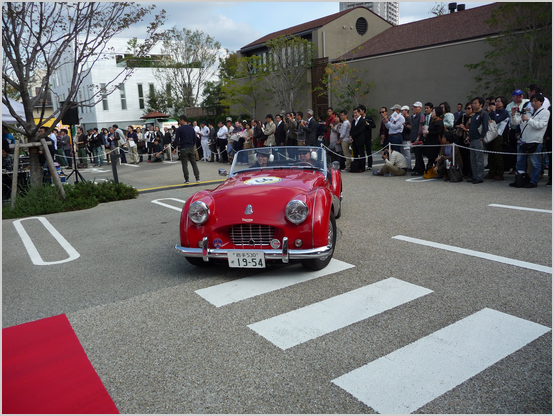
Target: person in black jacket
(258, 135)
(212, 141)
(357, 132)
(96, 144)
(433, 138)
(370, 125)
(310, 128)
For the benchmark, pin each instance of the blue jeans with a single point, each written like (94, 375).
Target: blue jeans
(98, 158)
(396, 139)
(521, 165)
(477, 159)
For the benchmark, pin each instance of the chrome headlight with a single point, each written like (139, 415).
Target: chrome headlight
(296, 211)
(199, 212)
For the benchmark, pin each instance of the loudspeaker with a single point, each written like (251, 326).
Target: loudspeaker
(71, 117)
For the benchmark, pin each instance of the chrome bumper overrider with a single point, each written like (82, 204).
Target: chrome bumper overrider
(283, 254)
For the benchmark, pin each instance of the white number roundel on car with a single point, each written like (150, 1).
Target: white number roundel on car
(262, 181)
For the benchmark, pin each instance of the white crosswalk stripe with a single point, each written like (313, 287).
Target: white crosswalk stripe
(265, 282)
(304, 324)
(408, 378)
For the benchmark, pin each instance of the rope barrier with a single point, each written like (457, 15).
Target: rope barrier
(339, 155)
(438, 145)
(378, 152)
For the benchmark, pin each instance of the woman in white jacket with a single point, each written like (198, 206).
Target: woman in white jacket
(533, 126)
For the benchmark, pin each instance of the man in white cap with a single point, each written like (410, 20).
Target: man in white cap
(406, 134)
(395, 124)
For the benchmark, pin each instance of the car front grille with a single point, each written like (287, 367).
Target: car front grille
(251, 234)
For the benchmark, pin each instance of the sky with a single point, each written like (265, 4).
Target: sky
(236, 24)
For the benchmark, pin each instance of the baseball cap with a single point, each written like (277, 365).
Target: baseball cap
(405, 107)
(517, 92)
(228, 119)
(396, 107)
(417, 104)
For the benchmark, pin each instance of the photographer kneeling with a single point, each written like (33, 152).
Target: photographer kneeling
(395, 164)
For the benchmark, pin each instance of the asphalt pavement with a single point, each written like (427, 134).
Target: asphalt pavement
(441, 254)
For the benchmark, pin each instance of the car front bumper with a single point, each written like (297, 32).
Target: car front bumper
(284, 253)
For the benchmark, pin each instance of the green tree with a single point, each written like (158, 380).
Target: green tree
(245, 91)
(213, 98)
(521, 53)
(228, 65)
(346, 87)
(190, 63)
(158, 100)
(289, 58)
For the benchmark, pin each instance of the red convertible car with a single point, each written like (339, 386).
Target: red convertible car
(278, 204)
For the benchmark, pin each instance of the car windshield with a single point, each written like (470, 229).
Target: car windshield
(280, 157)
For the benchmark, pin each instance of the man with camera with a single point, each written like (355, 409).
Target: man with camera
(533, 126)
(395, 164)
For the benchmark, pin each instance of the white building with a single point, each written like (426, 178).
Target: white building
(388, 10)
(123, 107)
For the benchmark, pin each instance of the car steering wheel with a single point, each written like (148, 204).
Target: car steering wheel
(304, 164)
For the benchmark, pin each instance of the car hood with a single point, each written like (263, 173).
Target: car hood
(266, 191)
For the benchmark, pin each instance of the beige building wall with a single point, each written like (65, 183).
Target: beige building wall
(340, 36)
(434, 74)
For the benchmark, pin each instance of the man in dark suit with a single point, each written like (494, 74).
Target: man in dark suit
(370, 125)
(358, 134)
(311, 129)
(280, 131)
(280, 134)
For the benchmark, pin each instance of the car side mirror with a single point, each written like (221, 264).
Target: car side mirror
(335, 165)
(222, 172)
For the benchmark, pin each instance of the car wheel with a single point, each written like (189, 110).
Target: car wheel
(338, 214)
(197, 261)
(339, 211)
(318, 264)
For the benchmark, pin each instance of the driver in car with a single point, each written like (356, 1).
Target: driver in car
(262, 158)
(305, 156)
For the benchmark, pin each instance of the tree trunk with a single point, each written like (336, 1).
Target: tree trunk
(34, 166)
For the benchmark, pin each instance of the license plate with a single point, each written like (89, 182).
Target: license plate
(246, 259)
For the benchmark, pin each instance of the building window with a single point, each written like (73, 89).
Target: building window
(152, 92)
(141, 96)
(104, 97)
(361, 26)
(123, 98)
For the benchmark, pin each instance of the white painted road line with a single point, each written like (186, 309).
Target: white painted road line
(157, 201)
(304, 324)
(479, 254)
(266, 282)
(31, 248)
(408, 378)
(521, 208)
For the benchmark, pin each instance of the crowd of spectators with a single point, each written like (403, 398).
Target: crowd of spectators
(515, 136)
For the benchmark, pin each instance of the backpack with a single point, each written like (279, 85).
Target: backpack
(357, 166)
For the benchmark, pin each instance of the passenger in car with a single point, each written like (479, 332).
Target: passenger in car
(262, 158)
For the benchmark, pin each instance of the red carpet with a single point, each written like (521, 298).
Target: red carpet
(46, 370)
